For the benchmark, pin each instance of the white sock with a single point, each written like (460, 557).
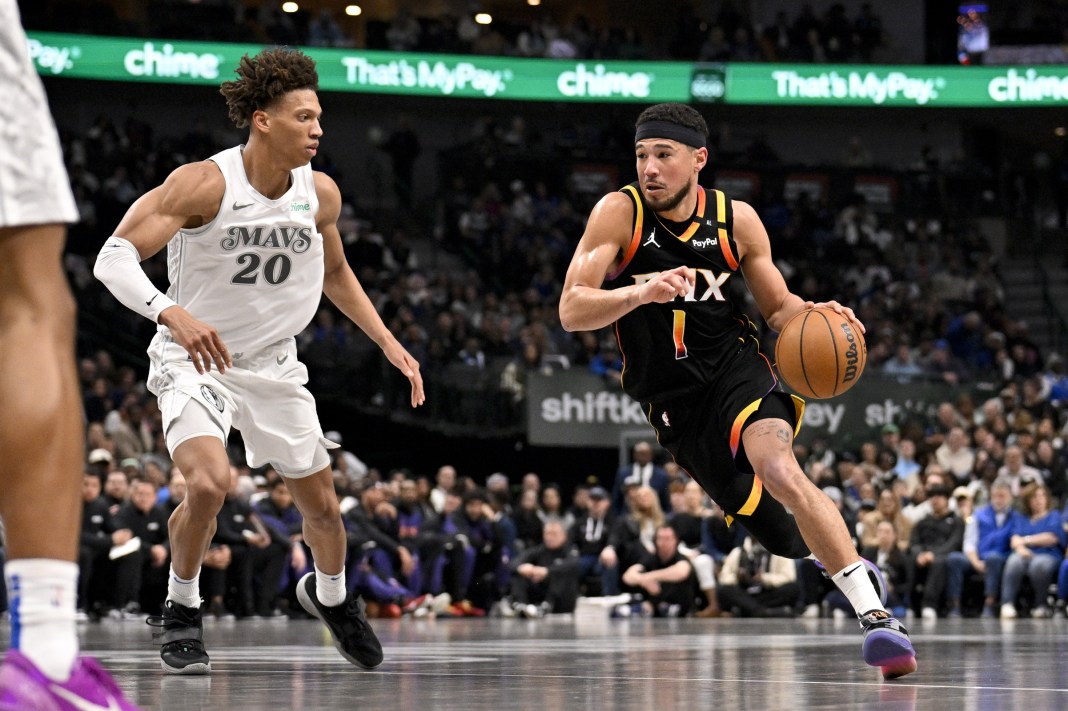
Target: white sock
(184, 592)
(42, 594)
(330, 589)
(855, 584)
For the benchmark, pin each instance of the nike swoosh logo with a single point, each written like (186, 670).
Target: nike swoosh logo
(83, 704)
(281, 359)
(149, 302)
(852, 570)
(241, 207)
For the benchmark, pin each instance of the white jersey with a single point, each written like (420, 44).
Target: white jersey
(34, 189)
(255, 272)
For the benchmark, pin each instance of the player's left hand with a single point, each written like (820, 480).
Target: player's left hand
(404, 362)
(838, 308)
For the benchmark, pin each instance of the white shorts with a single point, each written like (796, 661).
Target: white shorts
(263, 396)
(34, 187)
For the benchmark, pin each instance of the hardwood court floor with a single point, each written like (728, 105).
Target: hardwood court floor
(609, 665)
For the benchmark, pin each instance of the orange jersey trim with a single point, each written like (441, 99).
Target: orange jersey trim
(754, 498)
(636, 236)
(739, 422)
(724, 242)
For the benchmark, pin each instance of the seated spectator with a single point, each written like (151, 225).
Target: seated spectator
(1037, 549)
(633, 535)
(934, 537)
(285, 525)
(116, 491)
(986, 546)
(483, 565)
(889, 557)
(148, 522)
(665, 577)
(552, 507)
(1017, 471)
(756, 583)
(103, 584)
(956, 456)
(378, 564)
(418, 530)
(228, 581)
(527, 519)
(642, 472)
(887, 508)
(590, 535)
(687, 521)
(545, 578)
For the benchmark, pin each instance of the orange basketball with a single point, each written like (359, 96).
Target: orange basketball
(820, 354)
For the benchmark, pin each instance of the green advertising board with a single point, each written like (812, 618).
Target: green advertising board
(209, 63)
(841, 85)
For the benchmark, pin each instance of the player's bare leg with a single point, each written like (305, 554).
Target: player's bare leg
(41, 446)
(203, 462)
(323, 592)
(769, 447)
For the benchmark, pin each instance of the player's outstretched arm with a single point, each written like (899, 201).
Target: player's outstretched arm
(189, 197)
(584, 306)
(345, 291)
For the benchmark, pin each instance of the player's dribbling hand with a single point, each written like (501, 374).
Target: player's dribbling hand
(665, 286)
(838, 308)
(201, 341)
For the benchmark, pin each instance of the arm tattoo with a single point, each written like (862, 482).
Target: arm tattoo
(783, 435)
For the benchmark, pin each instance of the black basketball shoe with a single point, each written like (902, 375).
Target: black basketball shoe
(352, 634)
(180, 632)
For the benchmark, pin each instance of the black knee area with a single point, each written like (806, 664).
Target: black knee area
(775, 528)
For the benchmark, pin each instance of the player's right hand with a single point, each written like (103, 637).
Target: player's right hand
(665, 286)
(201, 341)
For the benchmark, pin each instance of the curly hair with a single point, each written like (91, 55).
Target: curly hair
(264, 79)
(680, 114)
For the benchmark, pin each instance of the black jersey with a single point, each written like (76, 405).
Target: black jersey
(683, 345)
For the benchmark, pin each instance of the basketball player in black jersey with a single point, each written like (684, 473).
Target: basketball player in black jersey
(664, 249)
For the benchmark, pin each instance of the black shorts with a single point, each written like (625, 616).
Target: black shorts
(703, 430)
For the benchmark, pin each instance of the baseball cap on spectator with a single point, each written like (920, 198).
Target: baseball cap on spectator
(833, 493)
(961, 492)
(891, 428)
(128, 462)
(598, 492)
(632, 480)
(99, 456)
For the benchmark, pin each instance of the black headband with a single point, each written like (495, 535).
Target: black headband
(667, 129)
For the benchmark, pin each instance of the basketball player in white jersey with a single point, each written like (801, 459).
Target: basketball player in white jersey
(41, 436)
(252, 244)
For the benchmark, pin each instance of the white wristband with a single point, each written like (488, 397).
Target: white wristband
(118, 266)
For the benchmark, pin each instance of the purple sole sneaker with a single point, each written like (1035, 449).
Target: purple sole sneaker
(24, 687)
(887, 645)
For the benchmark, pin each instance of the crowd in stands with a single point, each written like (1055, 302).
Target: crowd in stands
(799, 34)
